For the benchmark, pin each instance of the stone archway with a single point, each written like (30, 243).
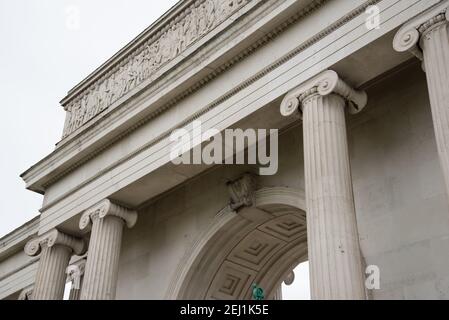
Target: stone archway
(258, 244)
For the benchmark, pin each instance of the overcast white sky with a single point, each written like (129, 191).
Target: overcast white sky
(44, 52)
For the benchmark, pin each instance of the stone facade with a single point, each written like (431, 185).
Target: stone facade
(363, 159)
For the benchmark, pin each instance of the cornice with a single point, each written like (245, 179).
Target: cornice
(14, 241)
(153, 30)
(175, 37)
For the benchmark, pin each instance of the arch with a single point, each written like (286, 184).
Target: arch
(258, 244)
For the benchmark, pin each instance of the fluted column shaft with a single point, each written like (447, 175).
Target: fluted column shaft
(335, 259)
(56, 249)
(100, 279)
(427, 37)
(50, 277)
(107, 220)
(334, 252)
(435, 44)
(75, 294)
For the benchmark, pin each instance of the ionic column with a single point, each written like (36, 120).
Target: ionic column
(56, 249)
(107, 220)
(75, 272)
(333, 243)
(427, 37)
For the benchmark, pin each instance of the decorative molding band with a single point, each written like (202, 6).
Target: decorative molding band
(191, 25)
(323, 84)
(306, 44)
(75, 272)
(242, 191)
(107, 208)
(288, 196)
(18, 236)
(55, 237)
(18, 278)
(409, 35)
(16, 270)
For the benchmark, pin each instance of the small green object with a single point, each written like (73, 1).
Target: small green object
(258, 293)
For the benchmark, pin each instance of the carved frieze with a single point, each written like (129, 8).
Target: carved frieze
(197, 20)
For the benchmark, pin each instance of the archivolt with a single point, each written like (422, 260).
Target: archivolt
(259, 244)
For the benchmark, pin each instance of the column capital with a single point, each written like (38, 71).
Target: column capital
(323, 84)
(75, 272)
(26, 293)
(410, 34)
(107, 208)
(52, 238)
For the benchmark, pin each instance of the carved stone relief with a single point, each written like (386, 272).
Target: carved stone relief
(242, 191)
(197, 20)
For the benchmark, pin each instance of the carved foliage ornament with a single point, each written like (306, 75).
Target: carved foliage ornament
(197, 20)
(52, 238)
(242, 191)
(409, 36)
(107, 208)
(323, 84)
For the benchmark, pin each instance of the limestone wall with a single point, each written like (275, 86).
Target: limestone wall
(401, 206)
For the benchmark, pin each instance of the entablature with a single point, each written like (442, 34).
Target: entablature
(268, 73)
(249, 25)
